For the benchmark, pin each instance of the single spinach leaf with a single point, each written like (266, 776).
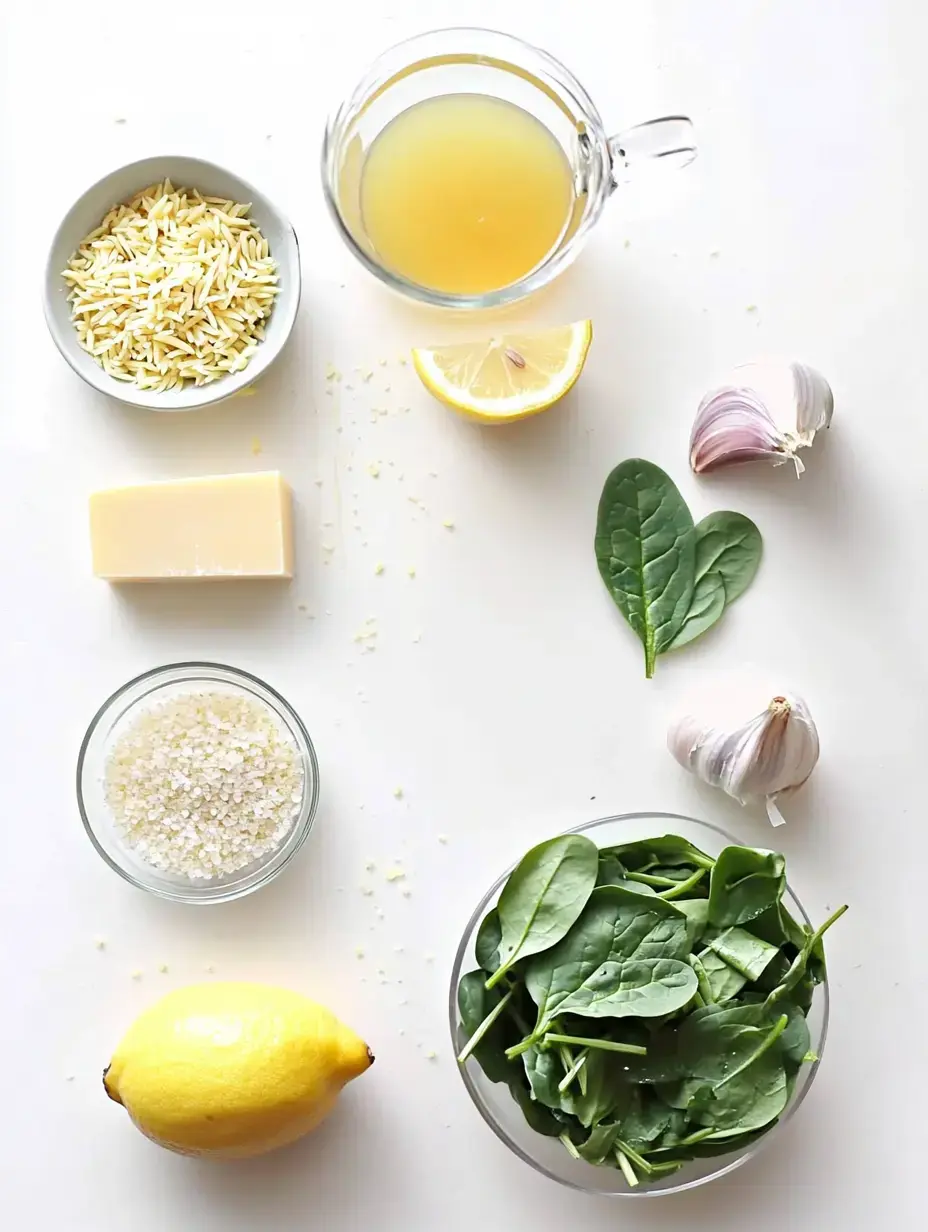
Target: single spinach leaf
(538, 1117)
(728, 552)
(486, 946)
(624, 956)
(665, 851)
(689, 1095)
(474, 1004)
(646, 551)
(611, 869)
(742, 950)
(777, 926)
(544, 1071)
(598, 1147)
(750, 1101)
(730, 545)
(544, 895)
(696, 911)
(646, 1118)
(706, 607)
(724, 981)
(715, 1042)
(799, 967)
(745, 883)
(607, 1093)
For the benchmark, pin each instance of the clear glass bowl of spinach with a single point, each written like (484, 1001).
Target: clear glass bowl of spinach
(627, 1044)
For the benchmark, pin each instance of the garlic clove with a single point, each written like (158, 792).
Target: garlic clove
(769, 756)
(732, 425)
(815, 403)
(768, 409)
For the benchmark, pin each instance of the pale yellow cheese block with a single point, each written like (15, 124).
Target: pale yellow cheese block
(223, 526)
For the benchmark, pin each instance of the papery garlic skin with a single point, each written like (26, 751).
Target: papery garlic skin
(769, 756)
(768, 410)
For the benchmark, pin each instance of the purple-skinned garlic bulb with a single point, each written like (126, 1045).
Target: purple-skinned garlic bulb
(765, 758)
(768, 410)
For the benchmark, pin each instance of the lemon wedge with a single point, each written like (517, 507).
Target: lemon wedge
(509, 377)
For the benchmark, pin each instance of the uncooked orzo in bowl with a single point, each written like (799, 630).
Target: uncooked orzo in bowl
(173, 288)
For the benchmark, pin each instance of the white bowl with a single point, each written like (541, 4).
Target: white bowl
(88, 212)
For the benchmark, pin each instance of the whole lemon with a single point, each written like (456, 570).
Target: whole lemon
(232, 1069)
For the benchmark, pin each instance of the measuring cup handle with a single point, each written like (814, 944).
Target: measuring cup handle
(669, 139)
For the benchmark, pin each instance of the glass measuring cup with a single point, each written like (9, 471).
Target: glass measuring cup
(475, 61)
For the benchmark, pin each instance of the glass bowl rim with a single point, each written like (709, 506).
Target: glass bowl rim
(553, 264)
(749, 1152)
(302, 826)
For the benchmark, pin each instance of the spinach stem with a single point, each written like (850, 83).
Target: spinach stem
(820, 932)
(698, 1136)
(568, 1145)
(632, 1155)
(517, 1049)
(666, 1168)
(649, 879)
(769, 1040)
(801, 961)
(627, 1170)
(572, 1072)
(702, 980)
(680, 888)
(484, 1027)
(581, 1041)
(497, 975)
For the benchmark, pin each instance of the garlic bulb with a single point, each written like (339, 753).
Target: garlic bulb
(767, 410)
(771, 755)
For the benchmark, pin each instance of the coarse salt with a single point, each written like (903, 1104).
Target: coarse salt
(204, 784)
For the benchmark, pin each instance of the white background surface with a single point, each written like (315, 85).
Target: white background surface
(523, 709)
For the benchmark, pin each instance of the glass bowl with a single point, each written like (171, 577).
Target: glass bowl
(111, 720)
(547, 1155)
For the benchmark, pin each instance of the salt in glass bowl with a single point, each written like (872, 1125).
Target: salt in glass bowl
(114, 717)
(547, 1155)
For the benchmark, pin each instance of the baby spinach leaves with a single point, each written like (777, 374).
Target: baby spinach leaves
(671, 580)
(545, 893)
(646, 1004)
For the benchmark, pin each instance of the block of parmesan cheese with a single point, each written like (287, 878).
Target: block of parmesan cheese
(223, 526)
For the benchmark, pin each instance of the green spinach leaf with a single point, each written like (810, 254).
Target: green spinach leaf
(744, 884)
(486, 945)
(624, 956)
(706, 608)
(646, 551)
(728, 552)
(544, 895)
(730, 545)
(665, 851)
(544, 1071)
(599, 1145)
(724, 981)
(742, 950)
(606, 1095)
(539, 1118)
(475, 1004)
(696, 911)
(750, 1101)
(646, 1118)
